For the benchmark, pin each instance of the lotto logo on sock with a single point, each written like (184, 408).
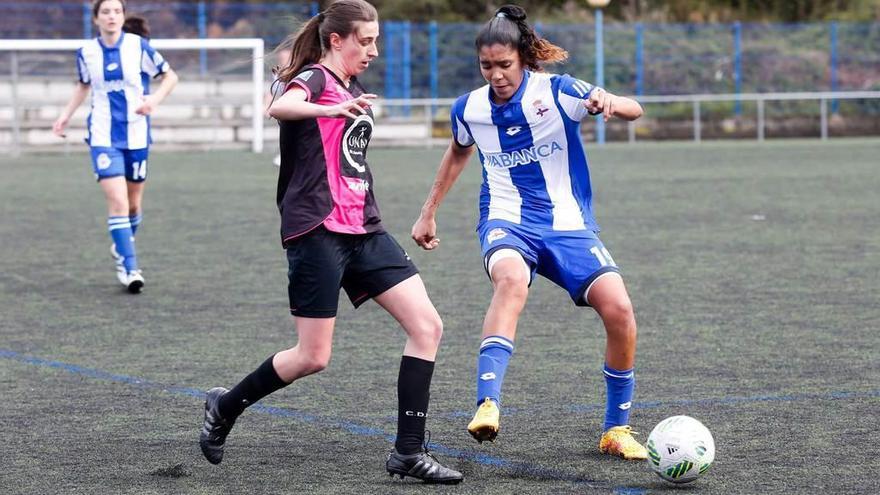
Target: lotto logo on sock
(487, 376)
(625, 406)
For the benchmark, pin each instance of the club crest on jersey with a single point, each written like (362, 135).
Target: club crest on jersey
(540, 109)
(495, 234)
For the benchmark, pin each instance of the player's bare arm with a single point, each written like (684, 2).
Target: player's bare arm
(79, 95)
(455, 158)
(150, 102)
(292, 105)
(611, 105)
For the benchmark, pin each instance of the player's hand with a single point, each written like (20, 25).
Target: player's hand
(601, 101)
(59, 125)
(352, 108)
(147, 106)
(424, 232)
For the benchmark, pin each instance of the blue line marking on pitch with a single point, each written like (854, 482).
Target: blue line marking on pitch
(357, 429)
(484, 459)
(583, 408)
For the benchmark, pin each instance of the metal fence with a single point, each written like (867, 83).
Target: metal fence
(437, 60)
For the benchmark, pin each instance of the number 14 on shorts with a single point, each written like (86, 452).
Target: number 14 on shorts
(139, 170)
(603, 256)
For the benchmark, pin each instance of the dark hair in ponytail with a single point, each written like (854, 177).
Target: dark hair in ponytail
(308, 44)
(137, 25)
(509, 27)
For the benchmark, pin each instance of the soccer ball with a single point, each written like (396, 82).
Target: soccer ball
(680, 449)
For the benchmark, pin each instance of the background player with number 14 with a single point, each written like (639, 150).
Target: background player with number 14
(117, 67)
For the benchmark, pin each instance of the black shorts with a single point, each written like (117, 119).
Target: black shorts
(321, 262)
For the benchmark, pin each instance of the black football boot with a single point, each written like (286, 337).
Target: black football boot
(421, 465)
(215, 429)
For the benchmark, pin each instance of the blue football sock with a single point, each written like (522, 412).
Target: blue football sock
(120, 232)
(619, 386)
(495, 352)
(135, 222)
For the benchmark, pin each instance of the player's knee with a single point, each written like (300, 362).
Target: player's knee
(511, 284)
(618, 315)
(117, 206)
(429, 332)
(316, 361)
(435, 330)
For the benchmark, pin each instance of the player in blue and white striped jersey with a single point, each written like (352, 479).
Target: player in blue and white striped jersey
(117, 67)
(536, 213)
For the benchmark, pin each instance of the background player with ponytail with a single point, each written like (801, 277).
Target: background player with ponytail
(536, 210)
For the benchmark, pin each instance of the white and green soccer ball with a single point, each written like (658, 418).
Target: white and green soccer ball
(680, 449)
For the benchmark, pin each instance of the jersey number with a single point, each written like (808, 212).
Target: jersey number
(603, 256)
(139, 170)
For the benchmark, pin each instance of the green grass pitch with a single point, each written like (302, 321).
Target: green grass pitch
(754, 270)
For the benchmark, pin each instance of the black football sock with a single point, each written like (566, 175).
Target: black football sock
(262, 382)
(413, 393)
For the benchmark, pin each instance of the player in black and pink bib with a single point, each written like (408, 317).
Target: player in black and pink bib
(325, 194)
(333, 234)
(325, 179)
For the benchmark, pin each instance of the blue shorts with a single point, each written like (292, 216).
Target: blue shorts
(115, 162)
(570, 259)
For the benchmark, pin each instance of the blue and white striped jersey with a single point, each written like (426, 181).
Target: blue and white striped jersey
(534, 166)
(119, 76)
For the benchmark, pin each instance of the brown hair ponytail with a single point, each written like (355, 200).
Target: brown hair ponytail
(308, 44)
(509, 27)
(137, 25)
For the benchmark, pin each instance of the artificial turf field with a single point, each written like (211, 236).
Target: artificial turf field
(754, 270)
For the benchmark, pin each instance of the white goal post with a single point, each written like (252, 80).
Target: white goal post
(256, 45)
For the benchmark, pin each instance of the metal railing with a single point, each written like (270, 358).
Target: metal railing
(425, 115)
(428, 107)
(760, 100)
